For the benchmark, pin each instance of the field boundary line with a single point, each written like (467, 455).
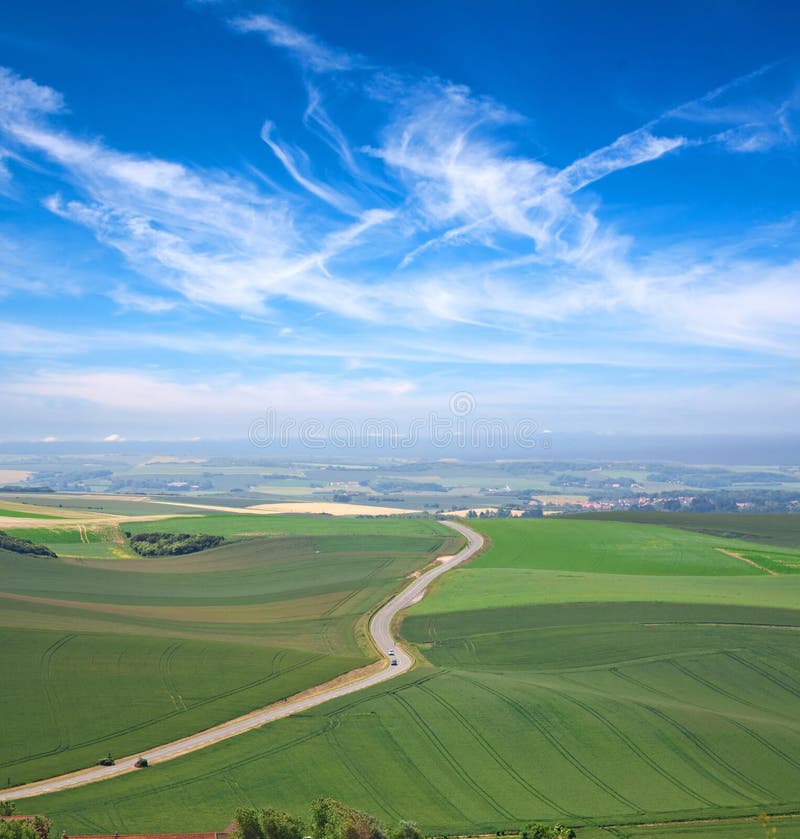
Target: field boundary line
(748, 561)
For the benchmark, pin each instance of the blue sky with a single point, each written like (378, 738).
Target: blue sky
(583, 214)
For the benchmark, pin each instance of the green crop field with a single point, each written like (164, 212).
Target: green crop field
(767, 528)
(102, 538)
(22, 514)
(607, 547)
(102, 655)
(539, 696)
(242, 525)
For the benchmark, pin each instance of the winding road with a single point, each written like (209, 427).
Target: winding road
(380, 630)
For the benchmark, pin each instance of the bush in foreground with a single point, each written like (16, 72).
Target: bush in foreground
(36, 827)
(330, 819)
(537, 830)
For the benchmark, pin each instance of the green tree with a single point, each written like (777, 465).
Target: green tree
(247, 826)
(330, 819)
(36, 827)
(7, 808)
(538, 830)
(267, 824)
(276, 824)
(407, 830)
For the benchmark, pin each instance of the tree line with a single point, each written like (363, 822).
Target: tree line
(23, 546)
(331, 819)
(172, 544)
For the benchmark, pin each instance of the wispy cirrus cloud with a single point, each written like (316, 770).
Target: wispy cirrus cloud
(748, 114)
(463, 231)
(130, 300)
(311, 52)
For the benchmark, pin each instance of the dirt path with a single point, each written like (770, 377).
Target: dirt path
(748, 561)
(382, 635)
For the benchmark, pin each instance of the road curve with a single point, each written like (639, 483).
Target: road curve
(380, 630)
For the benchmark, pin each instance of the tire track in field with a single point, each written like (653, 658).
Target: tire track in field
(771, 677)
(712, 755)
(193, 779)
(764, 742)
(350, 595)
(427, 784)
(164, 661)
(328, 620)
(153, 720)
(565, 753)
(359, 776)
(778, 752)
(699, 767)
(48, 679)
(237, 789)
(341, 709)
(494, 754)
(626, 677)
(640, 753)
(447, 755)
(711, 686)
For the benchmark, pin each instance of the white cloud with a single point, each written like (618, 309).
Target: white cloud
(226, 397)
(309, 51)
(479, 236)
(114, 438)
(289, 162)
(133, 300)
(21, 99)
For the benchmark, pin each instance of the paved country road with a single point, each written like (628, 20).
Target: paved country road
(380, 629)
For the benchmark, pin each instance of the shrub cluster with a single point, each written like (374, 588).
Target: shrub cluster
(172, 544)
(23, 546)
(33, 827)
(330, 819)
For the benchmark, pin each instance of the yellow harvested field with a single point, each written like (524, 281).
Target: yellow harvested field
(72, 519)
(560, 500)
(330, 508)
(12, 476)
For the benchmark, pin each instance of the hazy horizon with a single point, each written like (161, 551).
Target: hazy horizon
(721, 449)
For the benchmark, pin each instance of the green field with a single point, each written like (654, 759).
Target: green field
(99, 539)
(22, 514)
(766, 528)
(104, 655)
(604, 675)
